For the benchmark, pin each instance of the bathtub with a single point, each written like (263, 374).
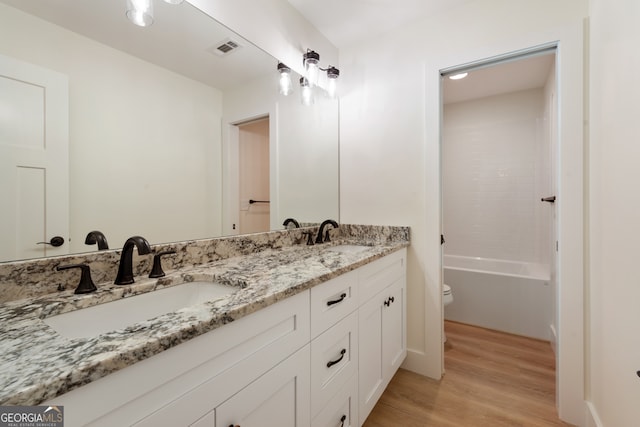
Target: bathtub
(509, 296)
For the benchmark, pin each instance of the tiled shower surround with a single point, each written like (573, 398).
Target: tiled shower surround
(496, 168)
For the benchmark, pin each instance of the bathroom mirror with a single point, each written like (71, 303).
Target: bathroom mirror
(153, 120)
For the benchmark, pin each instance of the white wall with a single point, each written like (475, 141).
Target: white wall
(493, 159)
(614, 205)
(387, 162)
(144, 142)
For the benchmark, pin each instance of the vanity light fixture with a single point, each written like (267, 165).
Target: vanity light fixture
(140, 12)
(306, 92)
(286, 87)
(173, 1)
(332, 77)
(458, 76)
(311, 59)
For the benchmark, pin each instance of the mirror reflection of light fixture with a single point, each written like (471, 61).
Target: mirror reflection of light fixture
(310, 60)
(306, 91)
(286, 87)
(173, 1)
(332, 76)
(140, 12)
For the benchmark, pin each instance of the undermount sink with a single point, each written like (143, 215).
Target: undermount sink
(114, 315)
(348, 249)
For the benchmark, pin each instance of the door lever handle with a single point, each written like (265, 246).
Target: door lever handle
(55, 242)
(551, 199)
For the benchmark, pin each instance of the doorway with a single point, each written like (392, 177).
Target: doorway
(253, 171)
(498, 187)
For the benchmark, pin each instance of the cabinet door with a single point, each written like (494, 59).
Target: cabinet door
(278, 398)
(370, 367)
(394, 337)
(382, 343)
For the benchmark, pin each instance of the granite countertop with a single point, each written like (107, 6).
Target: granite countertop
(37, 364)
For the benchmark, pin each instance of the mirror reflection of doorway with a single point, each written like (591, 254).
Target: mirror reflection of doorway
(254, 197)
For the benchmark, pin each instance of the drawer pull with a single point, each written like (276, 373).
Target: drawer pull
(342, 297)
(333, 362)
(342, 420)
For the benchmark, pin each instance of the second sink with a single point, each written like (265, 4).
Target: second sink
(92, 321)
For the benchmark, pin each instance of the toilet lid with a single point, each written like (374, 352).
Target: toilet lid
(446, 289)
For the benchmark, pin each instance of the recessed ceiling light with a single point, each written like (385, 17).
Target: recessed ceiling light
(458, 76)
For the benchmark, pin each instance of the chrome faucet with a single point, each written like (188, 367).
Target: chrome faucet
(327, 238)
(125, 268)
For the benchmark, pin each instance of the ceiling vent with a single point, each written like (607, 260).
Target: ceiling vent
(225, 47)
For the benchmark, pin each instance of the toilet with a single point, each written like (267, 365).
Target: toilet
(447, 298)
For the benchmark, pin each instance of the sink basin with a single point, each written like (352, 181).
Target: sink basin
(348, 249)
(111, 316)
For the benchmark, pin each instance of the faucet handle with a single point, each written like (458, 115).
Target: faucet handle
(86, 284)
(156, 270)
(309, 235)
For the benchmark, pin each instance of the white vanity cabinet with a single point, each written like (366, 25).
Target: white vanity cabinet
(320, 358)
(368, 324)
(181, 385)
(382, 327)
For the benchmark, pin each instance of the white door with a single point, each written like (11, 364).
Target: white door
(34, 160)
(253, 152)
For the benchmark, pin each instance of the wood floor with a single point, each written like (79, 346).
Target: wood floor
(492, 379)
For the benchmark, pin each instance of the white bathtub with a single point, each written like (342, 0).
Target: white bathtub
(508, 296)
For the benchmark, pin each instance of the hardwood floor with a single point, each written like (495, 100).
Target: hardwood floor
(492, 379)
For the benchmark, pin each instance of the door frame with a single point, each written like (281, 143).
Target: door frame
(230, 166)
(568, 40)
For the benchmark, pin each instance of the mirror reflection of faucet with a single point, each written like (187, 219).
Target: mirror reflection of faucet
(291, 223)
(125, 268)
(98, 237)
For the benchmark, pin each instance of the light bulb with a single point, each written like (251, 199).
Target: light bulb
(306, 92)
(332, 76)
(285, 79)
(140, 12)
(458, 76)
(311, 60)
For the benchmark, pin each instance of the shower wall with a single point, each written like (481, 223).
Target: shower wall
(495, 170)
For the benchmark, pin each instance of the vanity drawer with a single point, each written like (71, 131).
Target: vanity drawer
(344, 405)
(334, 358)
(379, 274)
(332, 301)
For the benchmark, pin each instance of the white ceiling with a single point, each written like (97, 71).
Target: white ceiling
(510, 76)
(179, 39)
(345, 22)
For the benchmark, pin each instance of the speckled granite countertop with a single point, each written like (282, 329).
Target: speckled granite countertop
(37, 364)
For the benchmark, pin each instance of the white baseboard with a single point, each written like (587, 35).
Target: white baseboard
(591, 416)
(420, 363)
